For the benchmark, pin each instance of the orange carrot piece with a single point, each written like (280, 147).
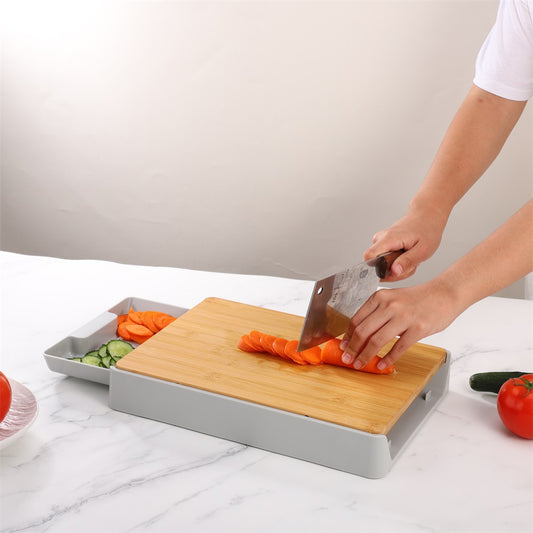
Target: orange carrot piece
(121, 318)
(255, 340)
(162, 320)
(245, 345)
(372, 366)
(290, 351)
(267, 342)
(166, 320)
(332, 355)
(148, 321)
(138, 330)
(139, 339)
(312, 355)
(279, 347)
(123, 332)
(135, 316)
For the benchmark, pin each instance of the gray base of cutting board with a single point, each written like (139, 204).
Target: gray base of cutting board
(335, 446)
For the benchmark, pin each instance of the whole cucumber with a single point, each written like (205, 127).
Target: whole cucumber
(492, 381)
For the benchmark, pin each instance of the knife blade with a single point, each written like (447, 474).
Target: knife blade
(336, 299)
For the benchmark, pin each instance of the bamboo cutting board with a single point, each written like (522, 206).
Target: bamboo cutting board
(199, 349)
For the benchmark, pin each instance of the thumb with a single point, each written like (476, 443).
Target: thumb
(405, 265)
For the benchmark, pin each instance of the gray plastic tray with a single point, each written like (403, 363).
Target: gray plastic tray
(302, 437)
(92, 335)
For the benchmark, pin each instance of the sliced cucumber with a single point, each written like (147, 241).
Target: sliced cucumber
(107, 355)
(118, 349)
(91, 360)
(102, 351)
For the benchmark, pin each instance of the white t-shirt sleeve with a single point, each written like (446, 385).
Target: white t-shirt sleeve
(504, 65)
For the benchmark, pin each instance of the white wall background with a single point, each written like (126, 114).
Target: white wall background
(266, 137)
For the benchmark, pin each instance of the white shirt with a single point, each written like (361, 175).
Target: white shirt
(504, 64)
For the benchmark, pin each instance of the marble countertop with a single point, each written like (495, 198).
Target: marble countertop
(82, 466)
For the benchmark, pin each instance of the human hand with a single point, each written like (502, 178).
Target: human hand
(419, 233)
(409, 313)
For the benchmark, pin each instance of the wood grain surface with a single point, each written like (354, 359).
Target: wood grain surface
(199, 350)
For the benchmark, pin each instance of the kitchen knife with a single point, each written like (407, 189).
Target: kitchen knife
(336, 298)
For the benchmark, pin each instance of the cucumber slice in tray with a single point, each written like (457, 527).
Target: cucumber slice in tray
(107, 355)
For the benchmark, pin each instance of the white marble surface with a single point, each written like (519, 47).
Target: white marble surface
(84, 467)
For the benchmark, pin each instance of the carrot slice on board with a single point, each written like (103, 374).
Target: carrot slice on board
(312, 355)
(279, 347)
(267, 342)
(245, 345)
(255, 340)
(331, 353)
(291, 351)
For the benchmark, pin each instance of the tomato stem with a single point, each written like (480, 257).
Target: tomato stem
(521, 382)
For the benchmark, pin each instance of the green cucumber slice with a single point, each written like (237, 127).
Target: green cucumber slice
(102, 351)
(118, 349)
(91, 360)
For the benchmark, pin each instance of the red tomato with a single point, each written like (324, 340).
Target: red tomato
(515, 405)
(5, 396)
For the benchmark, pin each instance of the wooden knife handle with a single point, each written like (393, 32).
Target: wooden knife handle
(384, 263)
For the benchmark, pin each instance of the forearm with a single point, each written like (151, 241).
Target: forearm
(473, 140)
(503, 258)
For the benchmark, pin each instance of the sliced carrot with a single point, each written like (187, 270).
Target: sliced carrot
(279, 347)
(312, 355)
(138, 329)
(137, 332)
(255, 340)
(167, 320)
(148, 321)
(139, 339)
(123, 332)
(162, 320)
(245, 345)
(331, 353)
(135, 316)
(291, 351)
(121, 318)
(267, 342)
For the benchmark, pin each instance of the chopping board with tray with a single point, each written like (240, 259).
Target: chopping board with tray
(191, 374)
